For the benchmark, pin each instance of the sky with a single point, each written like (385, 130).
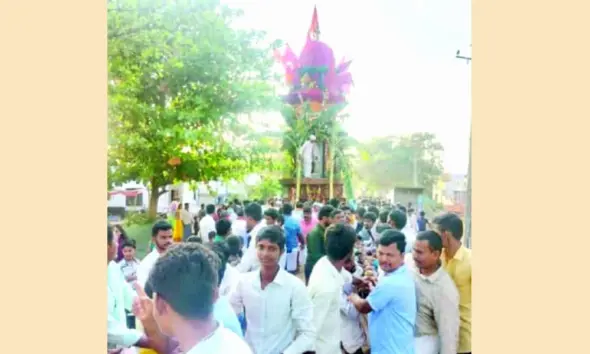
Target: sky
(406, 76)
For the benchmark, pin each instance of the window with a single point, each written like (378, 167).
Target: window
(134, 201)
(174, 195)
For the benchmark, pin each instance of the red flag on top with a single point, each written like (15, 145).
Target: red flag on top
(314, 29)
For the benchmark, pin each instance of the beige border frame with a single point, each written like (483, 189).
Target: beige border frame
(529, 154)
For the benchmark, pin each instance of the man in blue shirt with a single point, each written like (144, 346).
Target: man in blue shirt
(293, 238)
(391, 304)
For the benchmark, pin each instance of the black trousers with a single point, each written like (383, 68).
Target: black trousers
(307, 271)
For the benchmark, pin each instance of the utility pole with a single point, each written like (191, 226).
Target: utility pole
(467, 58)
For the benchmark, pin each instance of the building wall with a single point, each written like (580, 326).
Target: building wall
(405, 196)
(182, 191)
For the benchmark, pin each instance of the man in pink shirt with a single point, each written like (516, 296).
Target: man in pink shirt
(308, 222)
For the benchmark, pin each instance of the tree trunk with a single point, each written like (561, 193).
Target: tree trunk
(154, 196)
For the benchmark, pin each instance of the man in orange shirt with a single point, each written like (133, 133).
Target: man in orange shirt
(456, 260)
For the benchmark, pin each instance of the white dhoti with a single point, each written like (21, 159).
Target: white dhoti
(291, 264)
(283, 261)
(307, 167)
(426, 345)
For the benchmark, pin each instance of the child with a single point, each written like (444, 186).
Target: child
(129, 263)
(211, 236)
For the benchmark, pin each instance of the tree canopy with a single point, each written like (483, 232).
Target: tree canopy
(181, 77)
(389, 162)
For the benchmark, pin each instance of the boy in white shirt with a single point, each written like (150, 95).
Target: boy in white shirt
(129, 263)
(184, 282)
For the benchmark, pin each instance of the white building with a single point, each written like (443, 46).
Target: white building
(134, 196)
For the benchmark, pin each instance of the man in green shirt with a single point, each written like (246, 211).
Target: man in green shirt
(223, 229)
(316, 247)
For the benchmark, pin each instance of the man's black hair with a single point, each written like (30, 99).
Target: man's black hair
(223, 227)
(273, 234)
(210, 209)
(373, 209)
(307, 210)
(335, 203)
(382, 227)
(370, 216)
(129, 243)
(361, 212)
(299, 205)
(287, 209)
(281, 219)
(160, 225)
(234, 246)
(434, 240)
(399, 219)
(340, 240)
(186, 277)
(383, 216)
(325, 212)
(272, 213)
(391, 236)
(335, 212)
(422, 213)
(253, 211)
(195, 239)
(450, 222)
(222, 252)
(211, 235)
(346, 208)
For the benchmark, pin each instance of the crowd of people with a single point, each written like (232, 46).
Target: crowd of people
(273, 278)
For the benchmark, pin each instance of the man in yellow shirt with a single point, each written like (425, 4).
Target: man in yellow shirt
(456, 260)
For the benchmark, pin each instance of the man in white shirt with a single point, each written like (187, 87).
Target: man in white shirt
(325, 287)
(238, 226)
(184, 283)
(254, 224)
(162, 239)
(207, 223)
(278, 310)
(352, 334)
(437, 322)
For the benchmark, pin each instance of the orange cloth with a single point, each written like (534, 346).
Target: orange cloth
(178, 227)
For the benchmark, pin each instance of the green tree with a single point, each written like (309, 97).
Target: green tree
(180, 76)
(339, 161)
(407, 160)
(268, 187)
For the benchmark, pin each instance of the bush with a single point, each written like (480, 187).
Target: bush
(137, 218)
